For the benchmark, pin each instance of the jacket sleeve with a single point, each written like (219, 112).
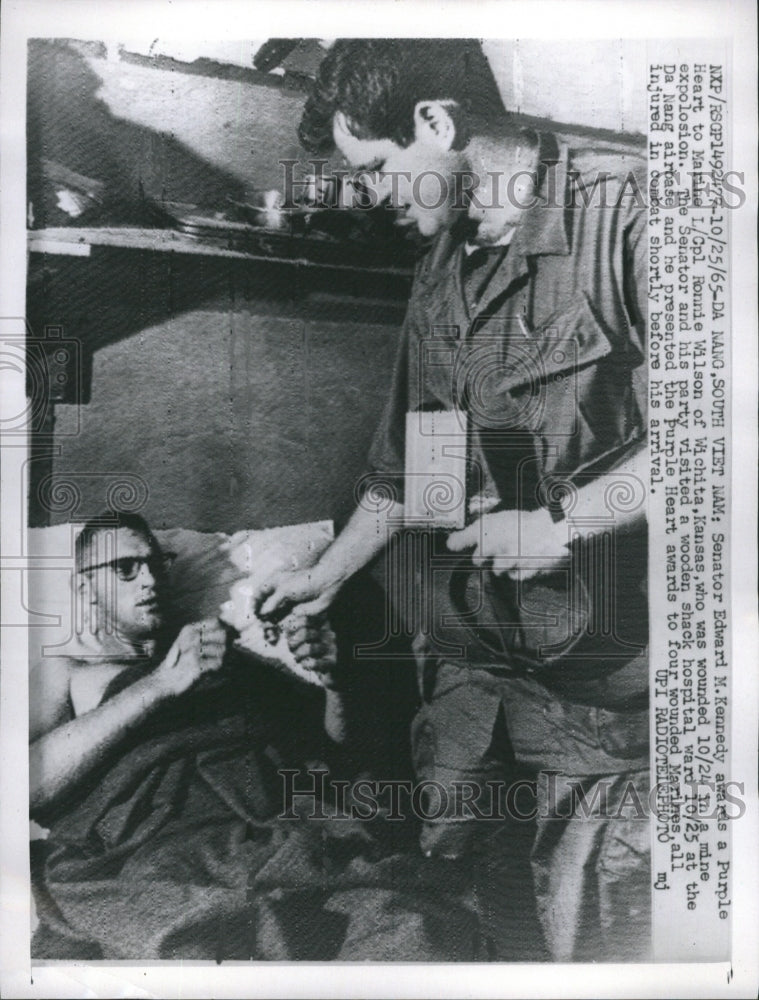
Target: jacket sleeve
(386, 460)
(635, 278)
(635, 285)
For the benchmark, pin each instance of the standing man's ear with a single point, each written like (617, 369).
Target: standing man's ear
(341, 128)
(434, 124)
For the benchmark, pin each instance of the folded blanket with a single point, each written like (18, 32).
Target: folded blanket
(176, 849)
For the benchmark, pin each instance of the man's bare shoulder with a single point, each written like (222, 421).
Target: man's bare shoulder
(63, 687)
(51, 668)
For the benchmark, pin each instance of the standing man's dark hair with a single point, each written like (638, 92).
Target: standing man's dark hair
(377, 83)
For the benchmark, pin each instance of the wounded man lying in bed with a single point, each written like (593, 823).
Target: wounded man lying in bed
(156, 760)
(125, 605)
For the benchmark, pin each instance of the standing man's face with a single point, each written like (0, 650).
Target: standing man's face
(126, 584)
(418, 179)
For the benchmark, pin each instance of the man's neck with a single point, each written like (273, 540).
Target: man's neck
(488, 154)
(115, 642)
(507, 172)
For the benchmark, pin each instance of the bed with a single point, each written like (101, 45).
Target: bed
(184, 844)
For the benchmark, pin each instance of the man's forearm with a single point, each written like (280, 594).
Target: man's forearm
(65, 755)
(366, 533)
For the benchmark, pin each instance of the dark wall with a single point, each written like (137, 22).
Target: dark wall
(223, 407)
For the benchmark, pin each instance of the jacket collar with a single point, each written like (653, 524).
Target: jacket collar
(544, 228)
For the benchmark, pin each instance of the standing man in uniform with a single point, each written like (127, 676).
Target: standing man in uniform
(526, 325)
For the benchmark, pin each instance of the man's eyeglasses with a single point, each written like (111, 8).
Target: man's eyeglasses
(127, 567)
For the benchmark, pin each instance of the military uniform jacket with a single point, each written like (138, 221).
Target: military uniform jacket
(549, 365)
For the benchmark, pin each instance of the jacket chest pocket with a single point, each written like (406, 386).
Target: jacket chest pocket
(534, 380)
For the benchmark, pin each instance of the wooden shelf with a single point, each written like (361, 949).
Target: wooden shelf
(77, 242)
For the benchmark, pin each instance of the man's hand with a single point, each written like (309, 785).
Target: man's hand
(313, 644)
(520, 543)
(302, 589)
(198, 649)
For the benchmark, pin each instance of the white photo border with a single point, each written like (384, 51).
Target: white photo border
(333, 18)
